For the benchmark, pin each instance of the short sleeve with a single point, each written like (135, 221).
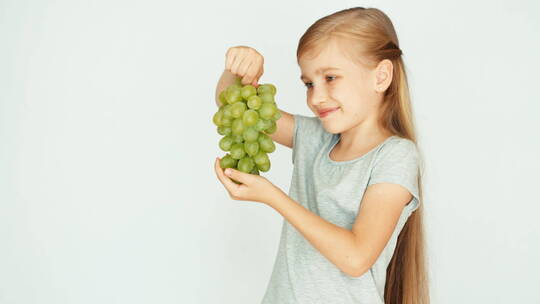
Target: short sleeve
(398, 163)
(308, 136)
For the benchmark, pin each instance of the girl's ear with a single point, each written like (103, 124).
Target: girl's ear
(383, 75)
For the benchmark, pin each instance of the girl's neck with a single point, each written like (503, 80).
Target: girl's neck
(351, 148)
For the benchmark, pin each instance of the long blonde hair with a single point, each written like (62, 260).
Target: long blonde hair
(372, 35)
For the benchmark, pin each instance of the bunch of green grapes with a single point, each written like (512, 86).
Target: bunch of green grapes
(245, 118)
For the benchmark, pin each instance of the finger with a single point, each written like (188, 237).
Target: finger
(237, 62)
(227, 182)
(249, 77)
(216, 168)
(259, 74)
(242, 70)
(240, 176)
(231, 54)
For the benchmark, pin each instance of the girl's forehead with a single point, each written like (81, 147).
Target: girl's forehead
(334, 52)
(323, 52)
(326, 61)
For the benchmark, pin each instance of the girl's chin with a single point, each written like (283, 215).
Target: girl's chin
(331, 127)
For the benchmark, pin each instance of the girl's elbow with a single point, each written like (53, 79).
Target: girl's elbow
(357, 269)
(361, 266)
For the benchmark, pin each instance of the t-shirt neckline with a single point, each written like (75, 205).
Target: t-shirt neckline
(345, 162)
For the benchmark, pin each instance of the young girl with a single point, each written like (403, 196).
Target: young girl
(352, 229)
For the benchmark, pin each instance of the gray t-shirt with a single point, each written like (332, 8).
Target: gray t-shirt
(333, 190)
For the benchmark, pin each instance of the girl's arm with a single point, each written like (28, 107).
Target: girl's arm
(353, 252)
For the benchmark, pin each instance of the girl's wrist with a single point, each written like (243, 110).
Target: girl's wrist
(275, 197)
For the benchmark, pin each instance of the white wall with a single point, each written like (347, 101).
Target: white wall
(107, 188)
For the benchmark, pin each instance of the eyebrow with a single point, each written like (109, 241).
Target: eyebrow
(318, 71)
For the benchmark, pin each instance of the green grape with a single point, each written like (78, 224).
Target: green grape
(266, 123)
(262, 124)
(272, 128)
(266, 144)
(233, 96)
(237, 126)
(223, 130)
(247, 91)
(226, 143)
(238, 109)
(251, 147)
(272, 88)
(237, 151)
(217, 118)
(250, 117)
(261, 158)
(227, 162)
(237, 138)
(255, 171)
(264, 167)
(226, 121)
(227, 111)
(250, 134)
(259, 126)
(267, 97)
(223, 98)
(267, 110)
(262, 161)
(264, 88)
(246, 164)
(254, 102)
(233, 87)
(274, 118)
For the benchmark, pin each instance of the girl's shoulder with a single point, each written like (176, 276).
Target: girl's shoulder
(309, 127)
(309, 136)
(397, 148)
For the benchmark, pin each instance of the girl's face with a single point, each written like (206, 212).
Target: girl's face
(333, 81)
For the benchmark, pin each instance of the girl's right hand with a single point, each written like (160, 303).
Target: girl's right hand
(246, 63)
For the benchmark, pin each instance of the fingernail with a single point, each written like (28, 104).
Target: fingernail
(227, 171)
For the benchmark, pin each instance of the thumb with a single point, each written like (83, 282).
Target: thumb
(240, 176)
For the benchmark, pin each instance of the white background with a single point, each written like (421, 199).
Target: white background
(107, 187)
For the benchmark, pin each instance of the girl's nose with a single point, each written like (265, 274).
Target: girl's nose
(319, 95)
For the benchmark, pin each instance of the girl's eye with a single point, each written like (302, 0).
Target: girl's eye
(309, 84)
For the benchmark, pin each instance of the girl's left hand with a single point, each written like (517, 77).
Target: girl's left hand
(253, 188)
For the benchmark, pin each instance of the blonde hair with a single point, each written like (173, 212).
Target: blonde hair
(370, 37)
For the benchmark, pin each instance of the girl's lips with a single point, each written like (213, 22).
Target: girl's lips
(323, 114)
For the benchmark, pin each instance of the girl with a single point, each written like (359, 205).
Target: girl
(352, 229)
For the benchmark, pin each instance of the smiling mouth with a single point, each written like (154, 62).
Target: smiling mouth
(326, 113)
